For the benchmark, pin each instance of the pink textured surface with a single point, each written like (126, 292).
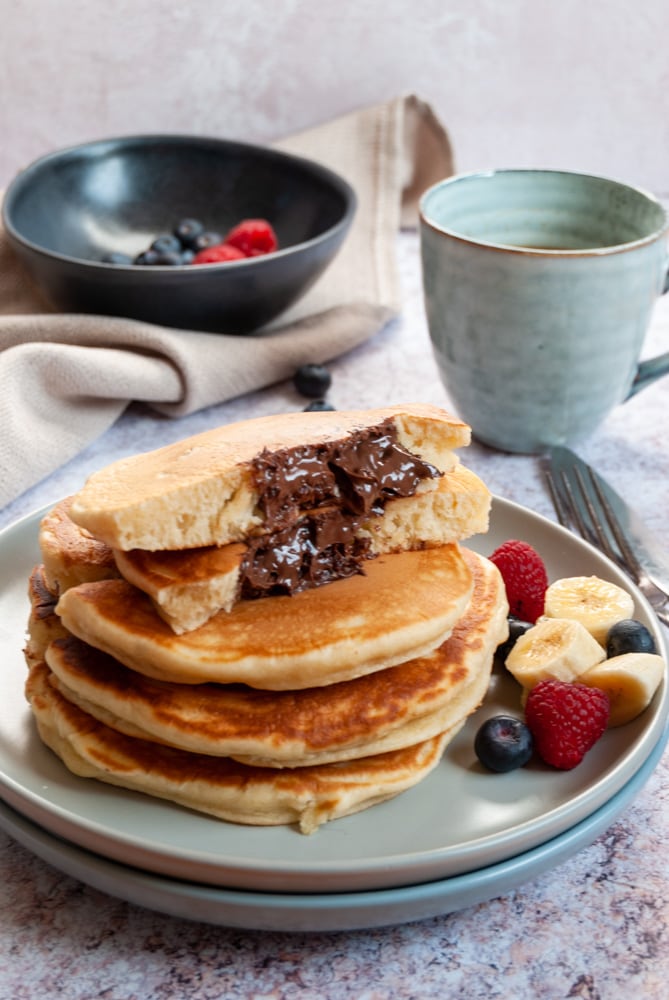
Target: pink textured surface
(596, 927)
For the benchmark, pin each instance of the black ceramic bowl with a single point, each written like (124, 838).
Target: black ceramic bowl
(65, 211)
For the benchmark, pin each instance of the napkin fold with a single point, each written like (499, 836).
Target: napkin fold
(65, 378)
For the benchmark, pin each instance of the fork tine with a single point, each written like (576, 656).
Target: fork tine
(628, 558)
(557, 499)
(595, 529)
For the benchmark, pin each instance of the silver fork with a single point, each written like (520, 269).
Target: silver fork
(580, 503)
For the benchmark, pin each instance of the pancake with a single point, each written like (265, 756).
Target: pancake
(221, 485)
(188, 586)
(404, 606)
(70, 554)
(218, 786)
(43, 624)
(405, 704)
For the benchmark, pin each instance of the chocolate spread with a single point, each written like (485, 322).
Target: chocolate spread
(314, 498)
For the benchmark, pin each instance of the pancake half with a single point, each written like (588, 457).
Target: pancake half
(188, 586)
(70, 554)
(221, 485)
(221, 787)
(404, 606)
(397, 707)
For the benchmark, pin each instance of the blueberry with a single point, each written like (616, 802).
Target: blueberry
(186, 232)
(116, 257)
(318, 405)
(204, 240)
(166, 244)
(169, 258)
(312, 380)
(629, 636)
(187, 256)
(517, 627)
(503, 743)
(146, 257)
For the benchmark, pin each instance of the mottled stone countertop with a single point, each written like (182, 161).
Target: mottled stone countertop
(595, 927)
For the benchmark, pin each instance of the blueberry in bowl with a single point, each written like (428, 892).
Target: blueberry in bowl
(79, 218)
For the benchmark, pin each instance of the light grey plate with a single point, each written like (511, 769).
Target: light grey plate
(460, 819)
(332, 911)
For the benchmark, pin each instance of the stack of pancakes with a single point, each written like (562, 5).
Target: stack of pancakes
(271, 622)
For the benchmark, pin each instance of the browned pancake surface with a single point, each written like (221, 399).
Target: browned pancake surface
(404, 606)
(282, 726)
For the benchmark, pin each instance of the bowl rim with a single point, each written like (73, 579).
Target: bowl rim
(331, 177)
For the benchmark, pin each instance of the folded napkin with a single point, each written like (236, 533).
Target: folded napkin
(65, 378)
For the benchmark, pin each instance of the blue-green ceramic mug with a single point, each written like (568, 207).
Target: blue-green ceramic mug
(539, 287)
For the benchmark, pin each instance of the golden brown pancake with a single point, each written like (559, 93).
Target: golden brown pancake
(308, 796)
(219, 486)
(404, 606)
(373, 714)
(43, 623)
(188, 586)
(71, 554)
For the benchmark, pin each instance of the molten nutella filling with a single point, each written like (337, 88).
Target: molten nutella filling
(314, 498)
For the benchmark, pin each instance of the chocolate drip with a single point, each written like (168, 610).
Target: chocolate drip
(314, 498)
(320, 548)
(359, 473)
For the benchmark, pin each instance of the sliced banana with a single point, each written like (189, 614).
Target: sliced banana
(630, 681)
(597, 604)
(556, 648)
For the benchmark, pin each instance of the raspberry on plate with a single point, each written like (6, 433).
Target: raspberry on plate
(524, 576)
(566, 720)
(218, 254)
(253, 237)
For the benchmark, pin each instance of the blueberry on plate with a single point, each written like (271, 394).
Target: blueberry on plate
(312, 380)
(503, 743)
(517, 627)
(629, 636)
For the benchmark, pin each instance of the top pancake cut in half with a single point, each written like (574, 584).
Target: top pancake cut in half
(226, 483)
(405, 605)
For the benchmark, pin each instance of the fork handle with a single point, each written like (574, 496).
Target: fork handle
(648, 372)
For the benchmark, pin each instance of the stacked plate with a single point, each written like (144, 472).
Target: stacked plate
(461, 836)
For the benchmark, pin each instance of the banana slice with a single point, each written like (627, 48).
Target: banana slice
(630, 680)
(556, 648)
(595, 603)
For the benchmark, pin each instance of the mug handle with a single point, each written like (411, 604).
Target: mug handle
(654, 368)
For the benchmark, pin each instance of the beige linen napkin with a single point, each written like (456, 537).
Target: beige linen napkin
(65, 378)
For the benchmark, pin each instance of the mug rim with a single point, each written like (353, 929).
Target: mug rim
(508, 248)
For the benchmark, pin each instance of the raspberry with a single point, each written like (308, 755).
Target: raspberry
(525, 578)
(253, 237)
(218, 254)
(565, 720)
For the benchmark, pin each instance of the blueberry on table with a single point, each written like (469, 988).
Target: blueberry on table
(318, 405)
(312, 380)
(186, 232)
(503, 743)
(629, 636)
